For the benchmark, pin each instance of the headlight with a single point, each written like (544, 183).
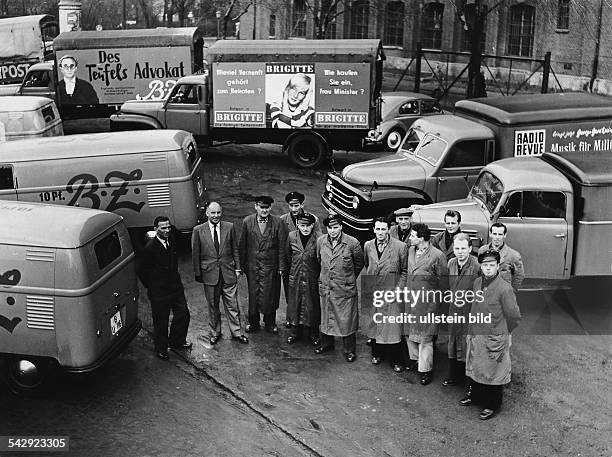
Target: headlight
(355, 202)
(328, 185)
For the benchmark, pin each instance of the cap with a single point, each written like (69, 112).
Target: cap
(295, 196)
(403, 212)
(264, 200)
(488, 255)
(306, 218)
(332, 219)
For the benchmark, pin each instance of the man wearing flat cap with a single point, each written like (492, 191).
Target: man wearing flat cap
(401, 231)
(303, 309)
(295, 200)
(341, 260)
(263, 259)
(487, 362)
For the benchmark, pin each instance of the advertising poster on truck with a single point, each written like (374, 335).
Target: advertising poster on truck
(291, 95)
(571, 137)
(120, 74)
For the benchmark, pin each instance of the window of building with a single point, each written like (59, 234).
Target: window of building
(469, 12)
(394, 24)
(272, 26)
(107, 250)
(359, 19)
(432, 25)
(563, 13)
(298, 19)
(522, 20)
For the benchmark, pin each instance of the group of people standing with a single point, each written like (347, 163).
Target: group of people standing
(319, 273)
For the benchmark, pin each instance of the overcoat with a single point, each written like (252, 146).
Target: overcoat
(261, 257)
(287, 219)
(210, 264)
(303, 305)
(510, 264)
(426, 273)
(387, 273)
(439, 241)
(340, 267)
(488, 349)
(158, 270)
(463, 281)
(394, 233)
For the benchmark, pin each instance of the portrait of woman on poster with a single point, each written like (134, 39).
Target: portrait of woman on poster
(296, 109)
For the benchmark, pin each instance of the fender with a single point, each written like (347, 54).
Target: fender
(147, 121)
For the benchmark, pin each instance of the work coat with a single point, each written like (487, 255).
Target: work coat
(439, 241)
(394, 233)
(488, 345)
(460, 282)
(426, 273)
(340, 267)
(261, 257)
(382, 274)
(510, 264)
(287, 219)
(303, 298)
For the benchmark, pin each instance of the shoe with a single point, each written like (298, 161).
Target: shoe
(272, 328)
(376, 360)
(398, 368)
(486, 414)
(412, 366)
(215, 339)
(252, 328)
(426, 378)
(291, 339)
(185, 345)
(350, 357)
(242, 339)
(322, 349)
(288, 324)
(449, 382)
(316, 342)
(369, 341)
(467, 400)
(162, 355)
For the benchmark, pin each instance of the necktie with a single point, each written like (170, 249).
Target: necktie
(216, 238)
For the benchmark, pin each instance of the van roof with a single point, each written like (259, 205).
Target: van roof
(52, 226)
(86, 144)
(528, 173)
(22, 103)
(454, 127)
(534, 108)
(588, 168)
(131, 38)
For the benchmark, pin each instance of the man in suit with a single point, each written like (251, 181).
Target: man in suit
(401, 231)
(262, 256)
(444, 240)
(73, 90)
(510, 265)
(216, 263)
(159, 273)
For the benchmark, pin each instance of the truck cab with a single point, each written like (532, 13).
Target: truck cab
(555, 207)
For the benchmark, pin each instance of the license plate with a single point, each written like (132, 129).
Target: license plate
(116, 323)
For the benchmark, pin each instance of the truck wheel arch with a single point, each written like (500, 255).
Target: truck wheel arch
(306, 149)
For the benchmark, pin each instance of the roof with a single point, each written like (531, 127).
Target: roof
(22, 103)
(588, 168)
(34, 19)
(528, 173)
(84, 145)
(523, 109)
(454, 127)
(299, 50)
(179, 36)
(52, 226)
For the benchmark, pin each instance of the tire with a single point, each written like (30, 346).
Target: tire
(20, 383)
(394, 139)
(307, 150)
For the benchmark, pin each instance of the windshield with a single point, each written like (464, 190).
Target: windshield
(431, 148)
(488, 189)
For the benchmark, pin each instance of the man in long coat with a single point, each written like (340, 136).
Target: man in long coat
(341, 260)
(303, 308)
(427, 271)
(511, 265)
(263, 259)
(462, 272)
(444, 240)
(401, 231)
(487, 361)
(386, 263)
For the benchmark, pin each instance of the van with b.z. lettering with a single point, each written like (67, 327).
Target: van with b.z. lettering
(138, 175)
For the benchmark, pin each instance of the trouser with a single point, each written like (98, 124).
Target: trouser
(423, 352)
(391, 352)
(299, 331)
(349, 342)
(227, 293)
(486, 395)
(269, 318)
(456, 370)
(160, 311)
(457, 347)
(286, 292)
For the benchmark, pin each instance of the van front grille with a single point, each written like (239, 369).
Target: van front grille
(40, 312)
(40, 255)
(158, 195)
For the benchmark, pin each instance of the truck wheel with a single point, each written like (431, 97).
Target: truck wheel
(394, 139)
(26, 375)
(307, 150)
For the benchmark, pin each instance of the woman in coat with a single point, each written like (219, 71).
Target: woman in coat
(488, 341)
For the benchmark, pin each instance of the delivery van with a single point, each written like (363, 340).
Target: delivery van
(138, 175)
(28, 117)
(68, 291)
